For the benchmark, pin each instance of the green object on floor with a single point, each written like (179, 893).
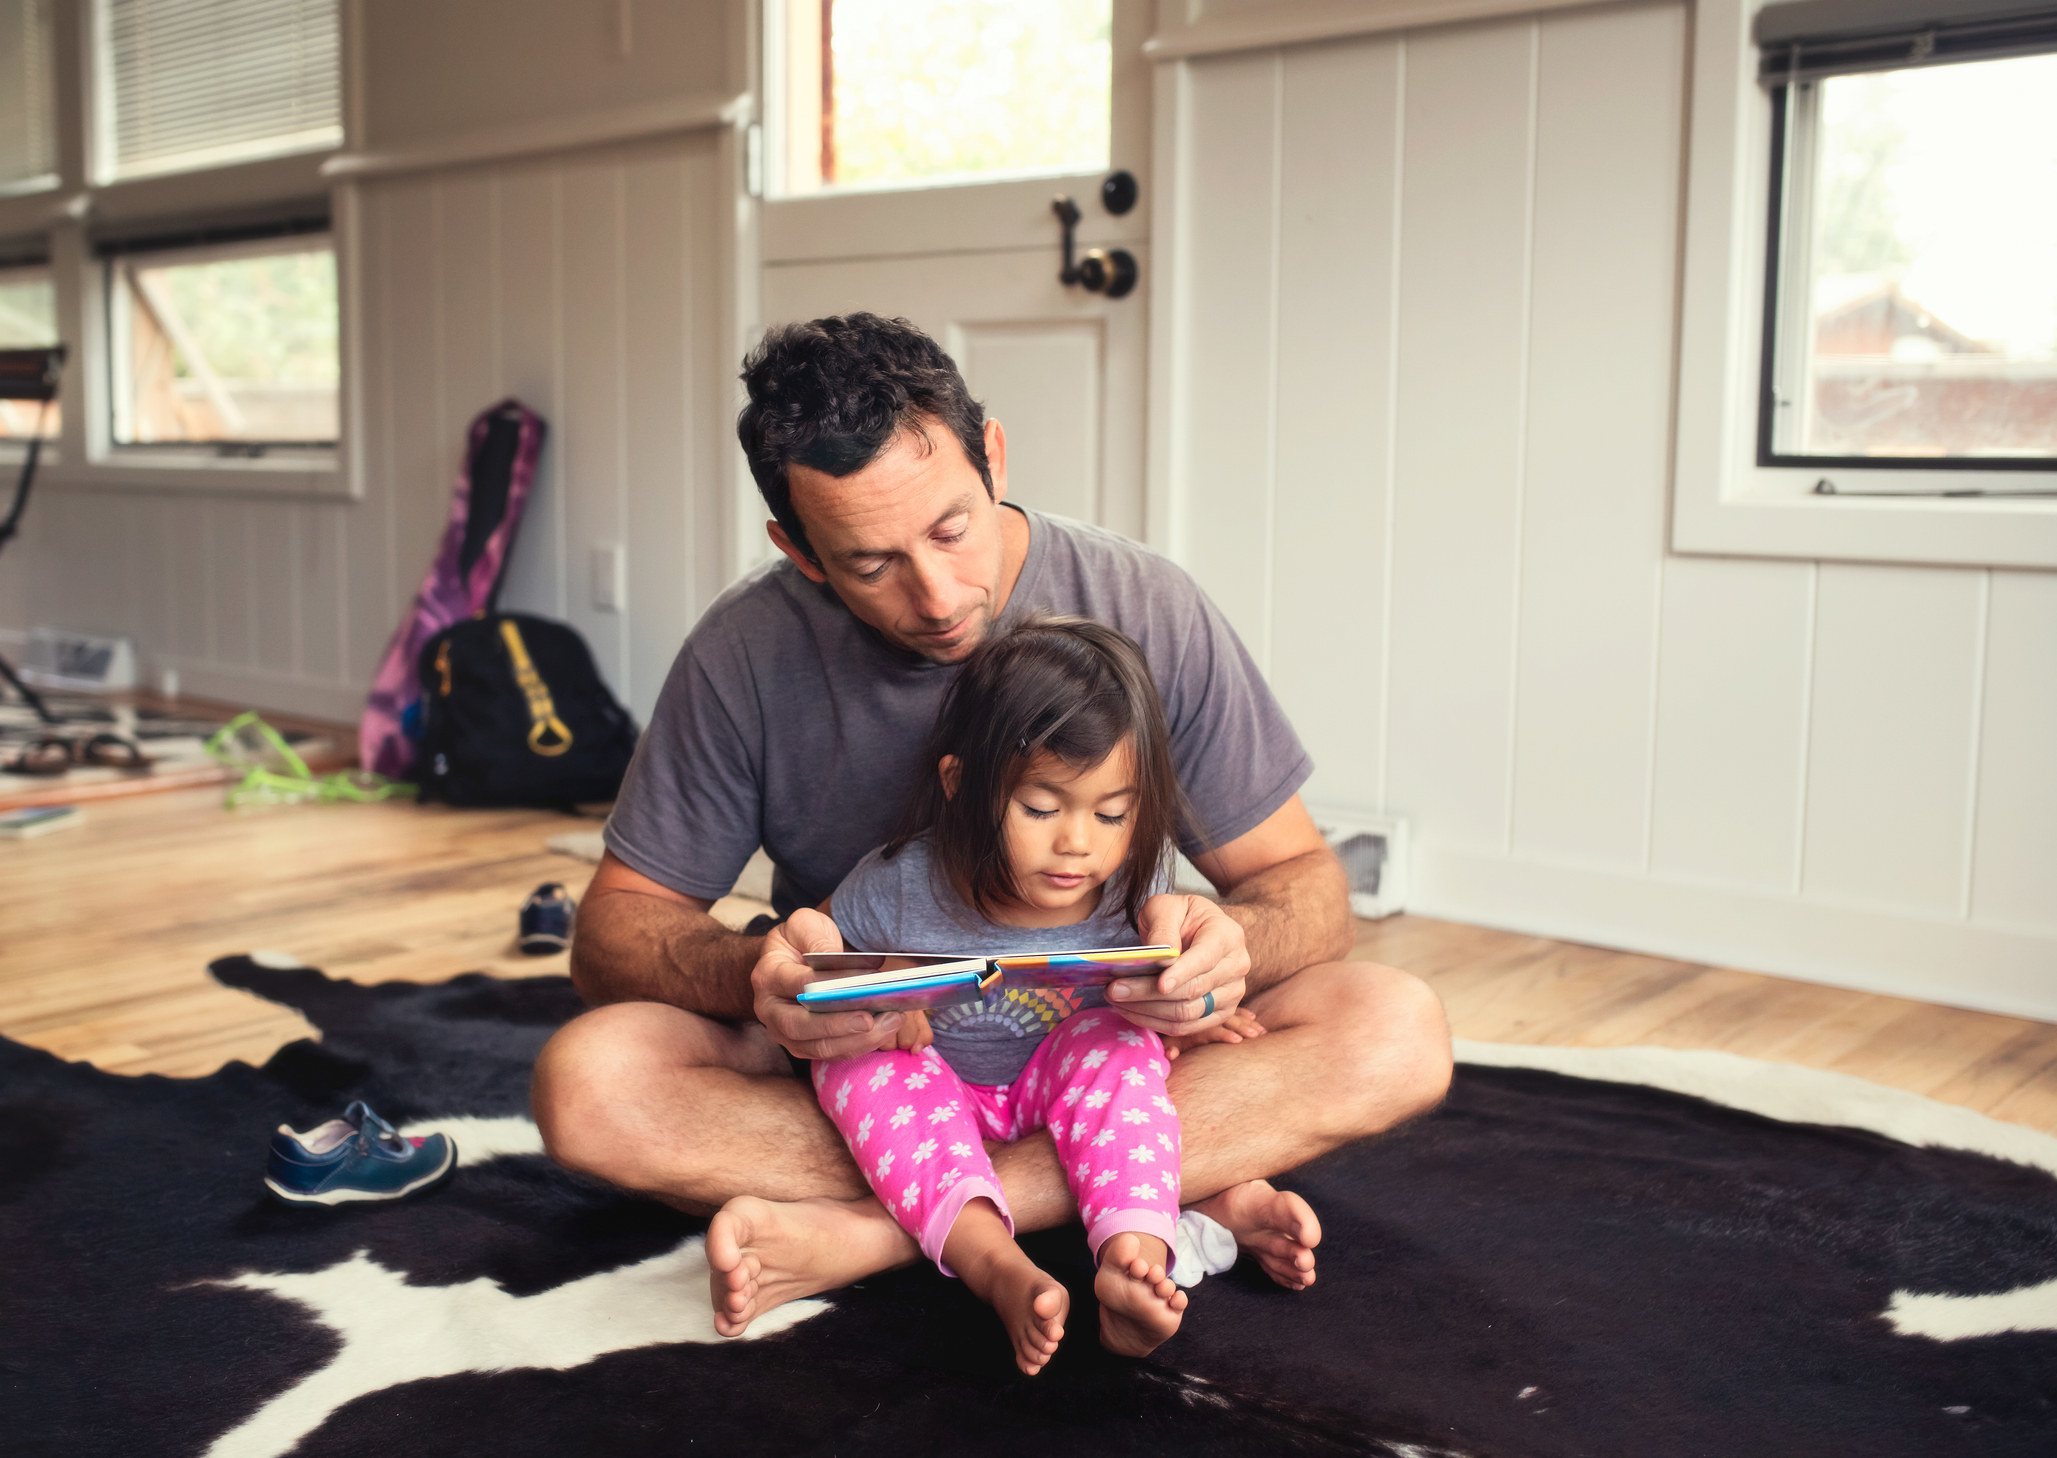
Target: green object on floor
(275, 774)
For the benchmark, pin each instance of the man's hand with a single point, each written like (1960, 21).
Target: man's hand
(1240, 1024)
(780, 974)
(1212, 959)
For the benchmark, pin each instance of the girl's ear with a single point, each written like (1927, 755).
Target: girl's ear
(948, 767)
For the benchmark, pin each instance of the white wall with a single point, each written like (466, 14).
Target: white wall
(590, 287)
(469, 67)
(1415, 341)
(595, 283)
(1419, 347)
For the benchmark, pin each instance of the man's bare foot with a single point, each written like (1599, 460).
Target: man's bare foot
(1140, 1306)
(1276, 1226)
(762, 1254)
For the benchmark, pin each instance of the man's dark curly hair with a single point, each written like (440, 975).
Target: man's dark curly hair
(831, 395)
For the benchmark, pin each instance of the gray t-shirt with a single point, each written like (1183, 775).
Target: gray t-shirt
(906, 905)
(788, 723)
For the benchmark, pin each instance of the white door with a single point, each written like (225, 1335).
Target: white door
(975, 263)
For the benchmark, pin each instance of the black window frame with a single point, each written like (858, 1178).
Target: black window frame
(1802, 43)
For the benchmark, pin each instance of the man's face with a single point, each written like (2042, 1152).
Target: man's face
(911, 543)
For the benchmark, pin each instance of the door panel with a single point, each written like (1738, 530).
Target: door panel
(1061, 369)
(975, 264)
(1042, 379)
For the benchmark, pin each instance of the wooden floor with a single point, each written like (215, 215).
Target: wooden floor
(106, 931)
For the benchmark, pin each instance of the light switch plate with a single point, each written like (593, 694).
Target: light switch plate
(610, 579)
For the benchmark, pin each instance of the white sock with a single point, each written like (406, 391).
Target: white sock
(1200, 1247)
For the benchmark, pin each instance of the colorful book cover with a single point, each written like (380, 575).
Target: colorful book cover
(905, 981)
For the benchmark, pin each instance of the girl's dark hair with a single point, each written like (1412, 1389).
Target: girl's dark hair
(1072, 688)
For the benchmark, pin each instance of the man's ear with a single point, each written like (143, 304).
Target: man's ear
(948, 767)
(784, 543)
(996, 458)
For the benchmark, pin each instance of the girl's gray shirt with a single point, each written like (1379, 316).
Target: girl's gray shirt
(906, 905)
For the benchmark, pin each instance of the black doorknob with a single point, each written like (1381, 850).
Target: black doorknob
(1111, 271)
(1119, 192)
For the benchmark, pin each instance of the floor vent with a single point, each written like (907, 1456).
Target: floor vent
(1373, 850)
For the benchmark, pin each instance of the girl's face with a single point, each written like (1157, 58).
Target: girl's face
(1067, 832)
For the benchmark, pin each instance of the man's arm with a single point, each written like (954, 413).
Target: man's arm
(1285, 906)
(636, 940)
(1287, 890)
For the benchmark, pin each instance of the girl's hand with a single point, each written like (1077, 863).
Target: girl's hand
(914, 1033)
(1240, 1024)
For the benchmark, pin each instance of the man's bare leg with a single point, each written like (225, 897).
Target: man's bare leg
(698, 1113)
(1364, 1048)
(691, 1111)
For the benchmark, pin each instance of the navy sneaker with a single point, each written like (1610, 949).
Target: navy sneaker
(546, 920)
(356, 1157)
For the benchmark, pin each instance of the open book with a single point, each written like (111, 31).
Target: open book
(908, 981)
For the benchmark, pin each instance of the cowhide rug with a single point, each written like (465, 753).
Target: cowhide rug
(1631, 1252)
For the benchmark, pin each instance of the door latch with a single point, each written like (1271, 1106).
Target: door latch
(1109, 271)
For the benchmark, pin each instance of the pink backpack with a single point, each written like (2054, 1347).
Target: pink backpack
(462, 582)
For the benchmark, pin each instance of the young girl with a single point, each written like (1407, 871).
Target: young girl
(1048, 823)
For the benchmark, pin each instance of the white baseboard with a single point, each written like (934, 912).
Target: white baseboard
(276, 692)
(1935, 959)
(280, 693)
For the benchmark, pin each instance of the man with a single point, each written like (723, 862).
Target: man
(793, 717)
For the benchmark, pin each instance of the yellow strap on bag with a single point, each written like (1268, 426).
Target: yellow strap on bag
(542, 712)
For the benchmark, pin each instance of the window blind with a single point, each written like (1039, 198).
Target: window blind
(28, 143)
(1808, 39)
(195, 83)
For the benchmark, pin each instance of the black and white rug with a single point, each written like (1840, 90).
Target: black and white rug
(1629, 1252)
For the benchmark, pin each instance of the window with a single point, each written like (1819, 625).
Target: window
(200, 83)
(190, 270)
(28, 320)
(1868, 308)
(28, 132)
(1914, 307)
(900, 92)
(231, 345)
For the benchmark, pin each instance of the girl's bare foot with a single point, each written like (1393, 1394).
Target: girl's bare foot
(1140, 1306)
(762, 1254)
(1276, 1226)
(1030, 1304)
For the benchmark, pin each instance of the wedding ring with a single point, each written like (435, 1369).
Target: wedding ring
(1207, 1007)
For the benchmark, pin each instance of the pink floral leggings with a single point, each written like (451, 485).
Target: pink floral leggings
(917, 1130)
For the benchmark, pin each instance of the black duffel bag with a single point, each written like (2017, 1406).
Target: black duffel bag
(515, 713)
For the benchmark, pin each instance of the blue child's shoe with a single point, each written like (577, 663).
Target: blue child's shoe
(545, 922)
(357, 1157)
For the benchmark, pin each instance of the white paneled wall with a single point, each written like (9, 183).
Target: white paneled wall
(1419, 367)
(590, 286)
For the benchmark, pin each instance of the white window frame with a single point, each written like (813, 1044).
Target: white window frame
(63, 215)
(1723, 502)
(771, 151)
